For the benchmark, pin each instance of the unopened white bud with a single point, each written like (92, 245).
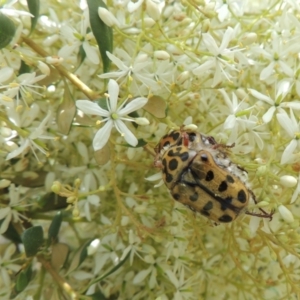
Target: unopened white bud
(140, 209)
(241, 94)
(288, 181)
(142, 121)
(4, 183)
(191, 127)
(43, 68)
(125, 220)
(153, 10)
(107, 17)
(54, 60)
(286, 214)
(161, 54)
(261, 170)
(249, 38)
(174, 50)
(183, 77)
(147, 22)
(141, 58)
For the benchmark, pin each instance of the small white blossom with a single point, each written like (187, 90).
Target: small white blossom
(292, 127)
(134, 69)
(76, 39)
(113, 116)
(33, 134)
(277, 103)
(222, 57)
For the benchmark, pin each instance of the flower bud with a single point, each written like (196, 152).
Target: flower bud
(153, 10)
(43, 68)
(160, 54)
(288, 181)
(107, 17)
(147, 22)
(54, 60)
(183, 77)
(142, 121)
(286, 214)
(56, 187)
(4, 183)
(249, 38)
(140, 209)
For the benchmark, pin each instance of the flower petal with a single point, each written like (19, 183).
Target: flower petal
(287, 154)
(128, 135)
(91, 108)
(267, 117)
(261, 96)
(102, 136)
(113, 91)
(135, 104)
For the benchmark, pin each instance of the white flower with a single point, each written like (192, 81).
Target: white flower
(10, 213)
(297, 191)
(75, 39)
(113, 117)
(35, 133)
(23, 86)
(276, 104)
(277, 55)
(132, 68)
(221, 56)
(7, 267)
(234, 107)
(292, 128)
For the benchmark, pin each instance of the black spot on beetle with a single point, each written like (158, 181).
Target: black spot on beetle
(184, 156)
(176, 197)
(192, 136)
(204, 213)
(226, 203)
(208, 206)
(242, 196)
(204, 157)
(229, 179)
(209, 176)
(225, 219)
(166, 144)
(175, 135)
(169, 178)
(173, 164)
(228, 199)
(194, 197)
(223, 186)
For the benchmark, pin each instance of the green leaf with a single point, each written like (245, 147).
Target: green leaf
(24, 68)
(115, 268)
(98, 296)
(103, 33)
(59, 255)
(7, 30)
(23, 279)
(79, 256)
(66, 111)
(141, 143)
(32, 239)
(54, 228)
(34, 8)
(156, 106)
(102, 103)
(11, 233)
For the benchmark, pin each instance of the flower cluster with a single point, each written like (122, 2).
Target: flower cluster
(87, 90)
